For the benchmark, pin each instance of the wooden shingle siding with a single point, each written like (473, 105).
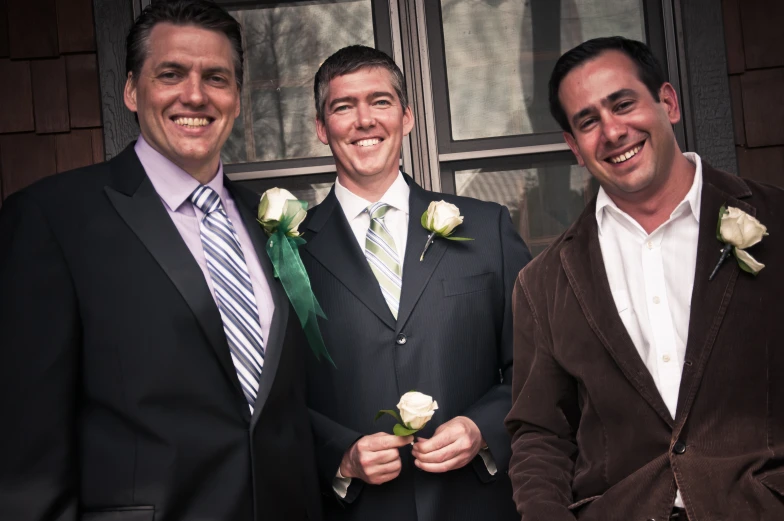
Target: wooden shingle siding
(50, 105)
(50, 95)
(755, 64)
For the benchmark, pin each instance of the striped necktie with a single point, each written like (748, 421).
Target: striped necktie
(382, 256)
(233, 290)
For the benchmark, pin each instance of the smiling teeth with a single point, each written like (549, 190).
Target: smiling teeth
(191, 122)
(625, 157)
(368, 142)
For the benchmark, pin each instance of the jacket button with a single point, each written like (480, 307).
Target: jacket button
(401, 339)
(679, 447)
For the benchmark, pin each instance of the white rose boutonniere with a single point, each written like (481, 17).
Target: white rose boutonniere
(280, 214)
(279, 207)
(739, 231)
(440, 219)
(415, 408)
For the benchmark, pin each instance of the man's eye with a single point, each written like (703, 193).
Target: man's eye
(340, 108)
(624, 105)
(383, 102)
(168, 75)
(587, 123)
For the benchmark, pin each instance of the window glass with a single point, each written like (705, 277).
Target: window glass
(284, 47)
(543, 201)
(500, 53)
(310, 188)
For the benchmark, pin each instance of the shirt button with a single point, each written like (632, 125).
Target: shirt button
(666, 358)
(679, 447)
(401, 339)
(656, 300)
(650, 245)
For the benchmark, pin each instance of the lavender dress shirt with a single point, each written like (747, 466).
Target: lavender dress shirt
(174, 186)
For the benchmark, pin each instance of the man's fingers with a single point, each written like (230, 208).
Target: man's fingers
(387, 441)
(452, 464)
(438, 441)
(440, 455)
(370, 458)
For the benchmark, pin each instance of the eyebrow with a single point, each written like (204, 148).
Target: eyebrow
(611, 98)
(373, 95)
(179, 66)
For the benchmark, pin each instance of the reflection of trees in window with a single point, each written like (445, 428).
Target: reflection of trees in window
(284, 46)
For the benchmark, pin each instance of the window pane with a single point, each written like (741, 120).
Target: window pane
(284, 47)
(543, 201)
(310, 188)
(499, 56)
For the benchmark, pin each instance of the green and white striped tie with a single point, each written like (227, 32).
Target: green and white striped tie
(382, 256)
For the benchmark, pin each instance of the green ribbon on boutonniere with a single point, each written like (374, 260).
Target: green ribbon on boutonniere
(280, 213)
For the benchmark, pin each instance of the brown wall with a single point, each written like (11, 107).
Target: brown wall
(754, 32)
(50, 115)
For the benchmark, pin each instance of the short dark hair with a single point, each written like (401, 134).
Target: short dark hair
(200, 13)
(648, 68)
(351, 59)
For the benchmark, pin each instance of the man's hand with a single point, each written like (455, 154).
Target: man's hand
(453, 445)
(374, 459)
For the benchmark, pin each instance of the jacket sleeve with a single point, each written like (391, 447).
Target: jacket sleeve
(489, 411)
(542, 421)
(332, 441)
(38, 369)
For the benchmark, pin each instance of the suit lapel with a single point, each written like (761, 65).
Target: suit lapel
(139, 205)
(710, 299)
(588, 278)
(332, 243)
(273, 345)
(416, 273)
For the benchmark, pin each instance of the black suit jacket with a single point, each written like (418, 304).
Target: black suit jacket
(452, 340)
(119, 397)
(592, 437)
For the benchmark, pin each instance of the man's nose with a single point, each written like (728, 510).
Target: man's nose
(194, 92)
(365, 118)
(613, 129)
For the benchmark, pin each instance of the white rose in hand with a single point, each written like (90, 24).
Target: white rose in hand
(741, 229)
(442, 217)
(416, 409)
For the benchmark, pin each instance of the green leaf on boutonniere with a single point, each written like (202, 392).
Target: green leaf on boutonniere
(722, 211)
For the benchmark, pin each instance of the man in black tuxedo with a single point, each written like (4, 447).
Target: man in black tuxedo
(150, 361)
(440, 325)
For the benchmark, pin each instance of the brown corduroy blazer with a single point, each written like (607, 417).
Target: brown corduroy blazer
(591, 436)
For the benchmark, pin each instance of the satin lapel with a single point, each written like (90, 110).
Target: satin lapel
(582, 260)
(331, 242)
(416, 273)
(273, 344)
(139, 205)
(709, 299)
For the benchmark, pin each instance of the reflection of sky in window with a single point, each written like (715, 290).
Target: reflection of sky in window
(284, 47)
(491, 57)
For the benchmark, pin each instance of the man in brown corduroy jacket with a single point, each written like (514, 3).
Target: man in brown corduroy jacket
(646, 386)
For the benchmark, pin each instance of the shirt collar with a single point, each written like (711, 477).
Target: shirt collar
(353, 205)
(693, 197)
(173, 184)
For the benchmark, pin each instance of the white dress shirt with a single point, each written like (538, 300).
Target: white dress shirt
(651, 278)
(396, 218)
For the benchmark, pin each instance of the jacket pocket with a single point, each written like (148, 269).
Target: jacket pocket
(774, 481)
(465, 285)
(135, 513)
(582, 503)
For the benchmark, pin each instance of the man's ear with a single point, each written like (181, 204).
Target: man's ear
(408, 120)
(321, 131)
(669, 99)
(129, 93)
(569, 138)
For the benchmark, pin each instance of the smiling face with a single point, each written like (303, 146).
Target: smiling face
(364, 124)
(620, 133)
(186, 96)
